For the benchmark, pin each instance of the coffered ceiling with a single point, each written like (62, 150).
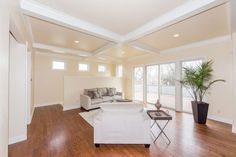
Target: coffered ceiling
(210, 24)
(119, 16)
(119, 29)
(52, 34)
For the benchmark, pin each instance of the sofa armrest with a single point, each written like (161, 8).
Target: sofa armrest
(85, 101)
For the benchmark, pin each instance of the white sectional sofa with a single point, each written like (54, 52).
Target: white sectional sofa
(92, 98)
(122, 123)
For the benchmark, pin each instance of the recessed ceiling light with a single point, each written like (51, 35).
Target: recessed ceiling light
(176, 35)
(76, 41)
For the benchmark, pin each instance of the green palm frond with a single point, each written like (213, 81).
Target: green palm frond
(199, 79)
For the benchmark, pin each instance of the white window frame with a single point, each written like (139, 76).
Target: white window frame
(103, 65)
(83, 64)
(58, 61)
(178, 86)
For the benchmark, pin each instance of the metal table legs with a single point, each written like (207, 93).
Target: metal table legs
(161, 131)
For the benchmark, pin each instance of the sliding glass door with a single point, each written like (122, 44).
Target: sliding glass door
(186, 93)
(152, 83)
(167, 85)
(138, 83)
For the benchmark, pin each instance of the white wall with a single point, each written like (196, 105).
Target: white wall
(48, 83)
(4, 58)
(74, 86)
(17, 92)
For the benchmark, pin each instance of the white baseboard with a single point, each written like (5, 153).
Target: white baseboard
(65, 108)
(17, 139)
(49, 104)
(220, 119)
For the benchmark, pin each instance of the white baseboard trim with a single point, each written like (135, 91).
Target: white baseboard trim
(220, 119)
(17, 139)
(49, 104)
(65, 108)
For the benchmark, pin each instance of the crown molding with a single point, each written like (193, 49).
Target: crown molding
(139, 57)
(57, 49)
(180, 13)
(197, 44)
(144, 47)
(38, 10)
(113, 59)
(49, 54)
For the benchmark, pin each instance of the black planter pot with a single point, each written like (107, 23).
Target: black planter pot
(200, 111)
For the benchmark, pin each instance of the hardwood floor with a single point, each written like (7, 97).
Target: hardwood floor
(54, 133)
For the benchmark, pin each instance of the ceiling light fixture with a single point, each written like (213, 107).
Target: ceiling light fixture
(76, 41)
(176, 35)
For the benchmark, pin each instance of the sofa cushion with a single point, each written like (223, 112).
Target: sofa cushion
(102, 91)
(109, 91)
(90, 94)
(96, 101)
(96, 95)
(91, 89)
(129, 107)
(107, 98)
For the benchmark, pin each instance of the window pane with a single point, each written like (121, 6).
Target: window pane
(186, 94)
(83, 67)
(101, 68)
(57, 65)
(167, 85)
(138, 83)
(152, 83)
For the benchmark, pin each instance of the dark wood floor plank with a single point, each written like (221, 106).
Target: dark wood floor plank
(54, 133)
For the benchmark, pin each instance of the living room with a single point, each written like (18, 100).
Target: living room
(110, 78)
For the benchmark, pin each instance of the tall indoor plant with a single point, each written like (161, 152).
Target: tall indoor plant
(198, 80)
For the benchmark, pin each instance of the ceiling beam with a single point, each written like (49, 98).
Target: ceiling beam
(102, 49)
(188, 9)
(38, 10)
(180, 13)
(143, 47)
(61, 50)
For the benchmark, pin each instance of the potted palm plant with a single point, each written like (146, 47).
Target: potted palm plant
(198, 81)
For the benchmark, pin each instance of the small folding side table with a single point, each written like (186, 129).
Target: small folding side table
(157, 115)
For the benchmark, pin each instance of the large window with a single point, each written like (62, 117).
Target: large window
(186, 93)
(138, 83)
(58, 65)
(167, 85)
(101, 68)
(152, 83)
(83, 67)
